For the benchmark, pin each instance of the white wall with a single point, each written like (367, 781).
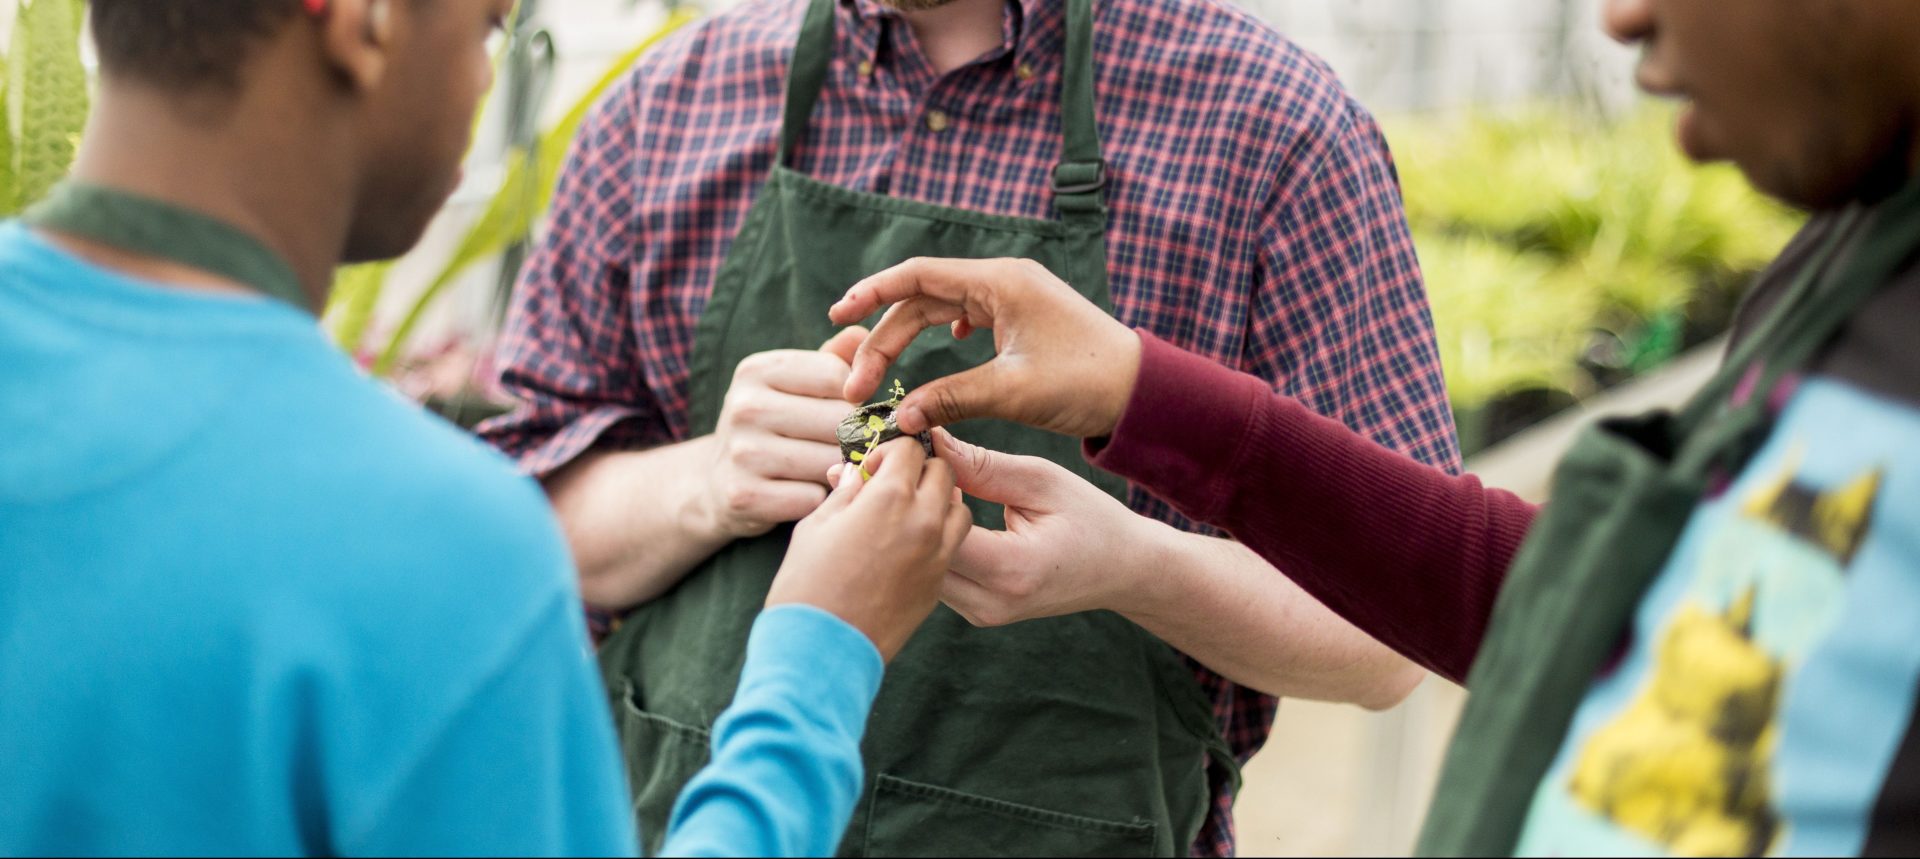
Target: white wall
(1402, 55)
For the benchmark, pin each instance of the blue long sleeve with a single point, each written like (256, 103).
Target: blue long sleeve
(786, 766)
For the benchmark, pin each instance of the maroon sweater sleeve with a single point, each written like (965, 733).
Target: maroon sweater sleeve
(1409, 553)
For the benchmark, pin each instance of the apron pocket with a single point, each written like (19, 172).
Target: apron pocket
(913, 819)
(662, 756)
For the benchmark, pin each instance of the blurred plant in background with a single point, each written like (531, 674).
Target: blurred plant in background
(1565, 254)
(43, 105)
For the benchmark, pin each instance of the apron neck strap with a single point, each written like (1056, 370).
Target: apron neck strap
(1866, 248)
(1081, 174)
(153, 228)
(1078, 179)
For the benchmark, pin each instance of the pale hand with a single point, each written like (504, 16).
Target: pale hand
(775, 438)
(1062, 364)
(876, 553)
(1069, 547)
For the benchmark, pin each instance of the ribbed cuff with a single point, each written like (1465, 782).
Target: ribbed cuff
(1181, 435)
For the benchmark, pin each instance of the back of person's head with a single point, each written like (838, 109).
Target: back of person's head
(373, 98)
(184, 44)
(1818, 102)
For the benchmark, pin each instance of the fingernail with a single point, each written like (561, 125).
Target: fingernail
(955, 441)
(912, 420)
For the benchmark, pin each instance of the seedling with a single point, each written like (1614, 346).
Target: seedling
(871, 426)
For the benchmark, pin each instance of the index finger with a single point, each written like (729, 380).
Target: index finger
(897, 330)
(965, 282)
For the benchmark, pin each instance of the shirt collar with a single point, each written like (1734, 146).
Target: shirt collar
(1027, 26)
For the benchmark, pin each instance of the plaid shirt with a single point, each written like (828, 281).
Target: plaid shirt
(1256, 220)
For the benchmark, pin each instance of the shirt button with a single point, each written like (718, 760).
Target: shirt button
(866, 68)
(937, 121)
(1024, 72)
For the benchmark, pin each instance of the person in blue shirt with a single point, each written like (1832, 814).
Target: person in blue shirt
(254, 603)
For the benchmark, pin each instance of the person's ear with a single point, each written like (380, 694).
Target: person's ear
(357, 37)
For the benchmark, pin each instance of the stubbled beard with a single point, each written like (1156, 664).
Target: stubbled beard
(915, 5)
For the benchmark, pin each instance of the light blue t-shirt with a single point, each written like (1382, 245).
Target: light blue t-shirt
(251, 602)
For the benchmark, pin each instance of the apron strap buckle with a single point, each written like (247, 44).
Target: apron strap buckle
(1077, 185)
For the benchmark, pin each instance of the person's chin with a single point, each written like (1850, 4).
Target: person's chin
(386, 241)
(1690, 134)
(1833, 179)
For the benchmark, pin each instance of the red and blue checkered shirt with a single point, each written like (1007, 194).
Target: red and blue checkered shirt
(1256, 220)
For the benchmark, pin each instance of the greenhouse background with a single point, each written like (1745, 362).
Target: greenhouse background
(1575, 265)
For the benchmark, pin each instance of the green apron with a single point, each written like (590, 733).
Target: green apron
(1620, 502)
(1079, 735)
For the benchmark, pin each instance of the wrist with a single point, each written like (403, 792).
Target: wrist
(1145, 580)
(1126, 375)
(698, 513)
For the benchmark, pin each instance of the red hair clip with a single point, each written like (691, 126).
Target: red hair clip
(316, 7)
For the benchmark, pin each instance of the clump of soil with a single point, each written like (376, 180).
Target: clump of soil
(871, 426)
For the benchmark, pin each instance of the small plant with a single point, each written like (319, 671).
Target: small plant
(871, 426)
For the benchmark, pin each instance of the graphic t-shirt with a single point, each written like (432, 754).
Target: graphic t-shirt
(1765, 702)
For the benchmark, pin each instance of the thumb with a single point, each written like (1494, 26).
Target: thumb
(1023, 482)
(949, 400)
(845, 343)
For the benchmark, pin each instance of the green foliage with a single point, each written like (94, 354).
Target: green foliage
(510, 216)
(1507, 319)
(1543, 234)
(9, 188)
(44, 101)
(356, 292)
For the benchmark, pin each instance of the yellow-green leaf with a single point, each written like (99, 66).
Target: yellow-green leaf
(9, 192)
(46, 96)
(356, 293)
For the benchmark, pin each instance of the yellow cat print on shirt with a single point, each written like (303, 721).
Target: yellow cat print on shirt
(1687, 764)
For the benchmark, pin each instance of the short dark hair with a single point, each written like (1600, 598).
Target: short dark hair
(183, 43)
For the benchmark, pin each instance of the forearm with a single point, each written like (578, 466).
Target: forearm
(636, 520)
(1221, 604)
(1413, 556)
(786, 756)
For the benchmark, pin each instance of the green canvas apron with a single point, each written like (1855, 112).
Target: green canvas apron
(1620, 502)
(1079, 735)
